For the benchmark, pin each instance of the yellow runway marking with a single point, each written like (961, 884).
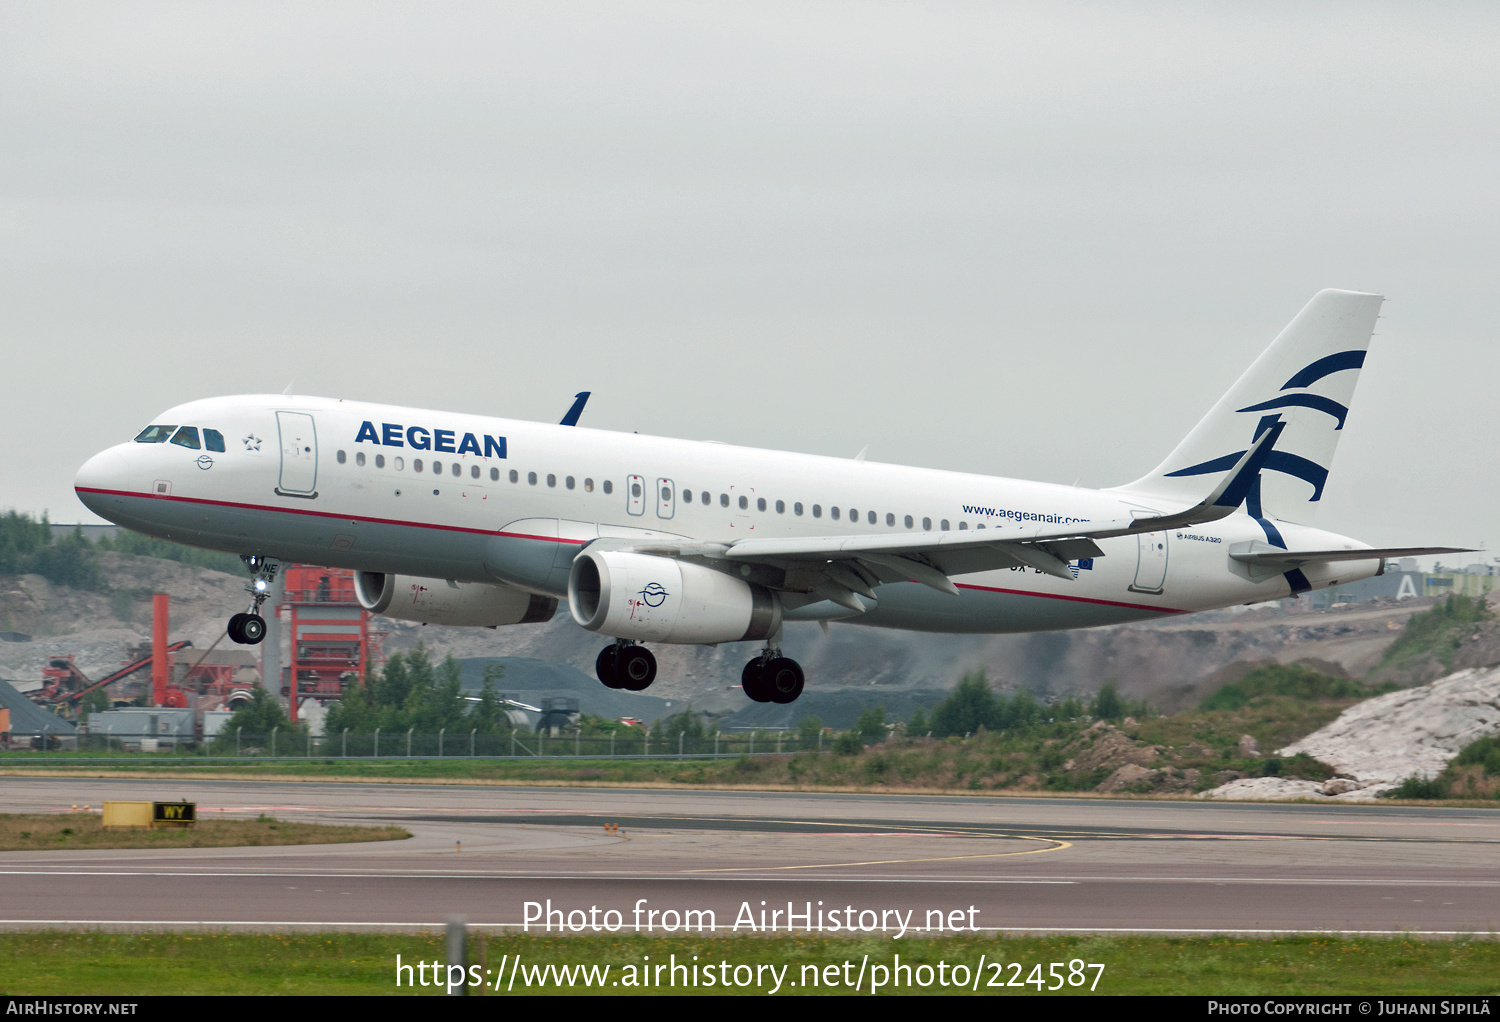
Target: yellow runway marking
(1057, 846)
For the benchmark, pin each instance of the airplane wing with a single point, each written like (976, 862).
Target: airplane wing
(839, 568)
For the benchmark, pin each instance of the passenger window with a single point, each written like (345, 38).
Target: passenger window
(797, 508)
(979, 526)
(833, 513)
(214, 441)
(609, 486)
(870, 518)
(687, 496)
(588, 486)
(474, 472)
(400, 464)
(155, 435)
(817, 511)
(706, 500)
(458, 469)
(494, 475)
(416, 464)
(635, 489)
(723, 500)
(531, 478)
(359, 458)
(568, 482)
(187, 437)
(744, 503)
(890, 520)
(380, 461)
(666, 494)
(551, 479)
(339, 457)
(945, 525)
(909, 522)
(515, 476)
(781, 507)
(760, 504)
(963, 526)
(437, 468)
(927, 525)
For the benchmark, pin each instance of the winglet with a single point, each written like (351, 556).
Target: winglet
(1227, 496)
(571, 419)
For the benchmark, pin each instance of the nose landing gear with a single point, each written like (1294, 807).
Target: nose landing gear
(626, 665)
(249, 629)
(772, 678)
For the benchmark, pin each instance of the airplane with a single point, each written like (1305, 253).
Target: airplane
(460, 519)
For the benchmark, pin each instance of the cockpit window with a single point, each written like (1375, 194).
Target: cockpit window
(155, 434)
(187, 436)
(213, 440)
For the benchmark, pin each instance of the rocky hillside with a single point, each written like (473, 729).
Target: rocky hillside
(1374, 745)
(1169, 661)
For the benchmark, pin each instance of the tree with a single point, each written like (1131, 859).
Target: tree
(808, 729)
(259, 716)
(918, 726)
(1108, 705)
(968, 708)
(870, 727)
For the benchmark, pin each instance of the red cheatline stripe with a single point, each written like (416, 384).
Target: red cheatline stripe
(549, 539)
(1075, 599)
(325, 514)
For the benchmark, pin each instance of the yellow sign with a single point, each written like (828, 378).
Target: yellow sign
(150, 814)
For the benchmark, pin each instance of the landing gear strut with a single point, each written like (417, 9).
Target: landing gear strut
(249, 629)
(772, 678)
(626, 665)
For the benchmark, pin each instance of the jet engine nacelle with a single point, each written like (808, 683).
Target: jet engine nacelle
(658, 599)
(437, 601)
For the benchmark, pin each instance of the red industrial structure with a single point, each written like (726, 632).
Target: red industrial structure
(332, 642)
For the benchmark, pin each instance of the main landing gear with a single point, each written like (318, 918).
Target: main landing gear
(249, 629)
(626, 665)
(769, 678)
(772, 678)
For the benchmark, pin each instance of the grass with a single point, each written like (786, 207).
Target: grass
(53, 831)
(61, 963)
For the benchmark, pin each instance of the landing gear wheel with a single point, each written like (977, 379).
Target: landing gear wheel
(781, 679)
(635, 667)
(605, 667)
(253, 628)
(236, 628)
(752, 680)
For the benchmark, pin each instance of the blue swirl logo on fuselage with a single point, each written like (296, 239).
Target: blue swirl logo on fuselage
(654, 595)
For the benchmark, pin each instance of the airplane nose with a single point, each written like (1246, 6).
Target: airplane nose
(104, 472)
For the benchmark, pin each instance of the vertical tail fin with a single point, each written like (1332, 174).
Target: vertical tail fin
(1303, 383)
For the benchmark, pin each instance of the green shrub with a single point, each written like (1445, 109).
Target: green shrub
(1419, 787)
(1292, 680)
(1439, 631)
(1483, 752)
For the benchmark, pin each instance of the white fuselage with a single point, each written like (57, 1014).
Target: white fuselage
(476, 499)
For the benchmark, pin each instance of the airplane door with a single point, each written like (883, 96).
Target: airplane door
(635, 494)
(1151, 562)
(666, 498)
(299, 455)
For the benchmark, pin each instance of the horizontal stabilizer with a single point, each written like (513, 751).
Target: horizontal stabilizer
(1269, 556)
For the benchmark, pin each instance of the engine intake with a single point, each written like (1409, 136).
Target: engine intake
(658, 599)
(437, 601)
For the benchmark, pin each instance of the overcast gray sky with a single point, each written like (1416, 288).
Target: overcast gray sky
(1037, 240)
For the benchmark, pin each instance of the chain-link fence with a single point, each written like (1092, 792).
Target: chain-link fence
(460, 744)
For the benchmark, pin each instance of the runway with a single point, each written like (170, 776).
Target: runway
(895, 863)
